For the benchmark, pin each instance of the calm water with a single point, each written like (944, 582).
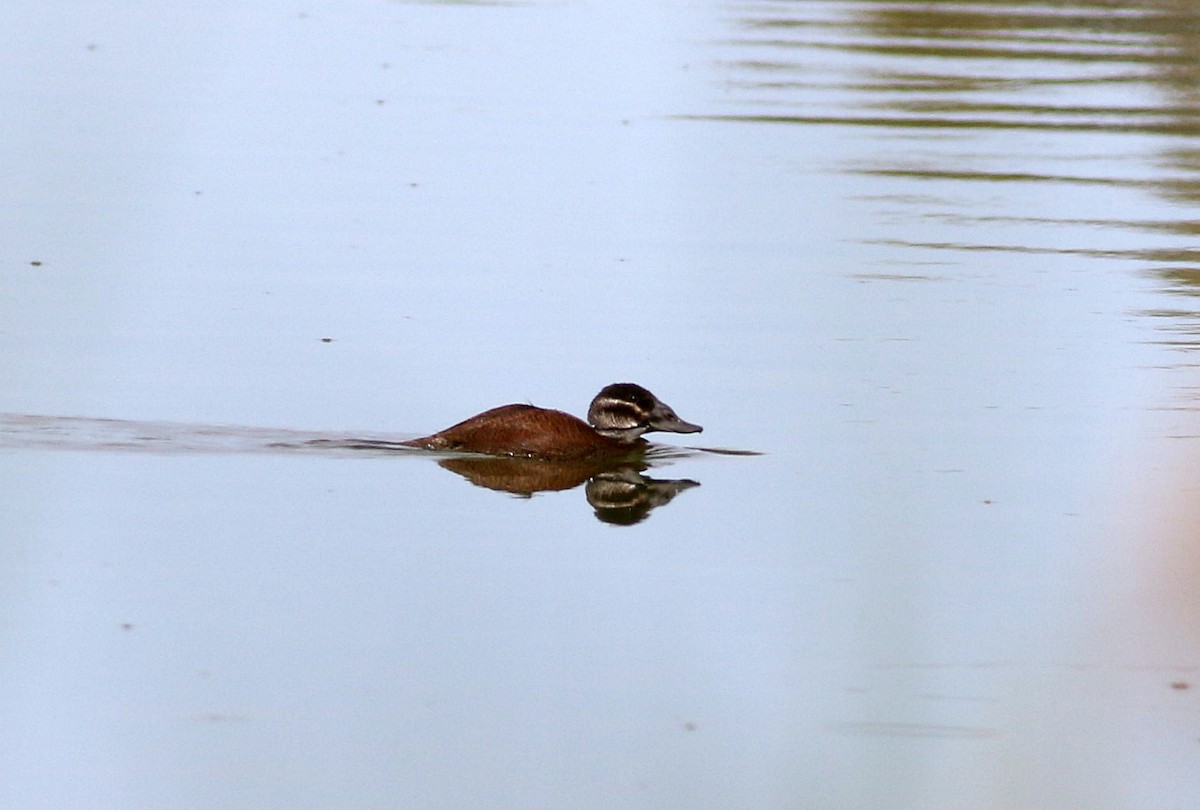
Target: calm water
(936, 262)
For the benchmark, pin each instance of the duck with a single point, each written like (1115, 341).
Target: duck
(616, 420)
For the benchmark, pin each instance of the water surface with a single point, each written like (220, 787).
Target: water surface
(935, 261)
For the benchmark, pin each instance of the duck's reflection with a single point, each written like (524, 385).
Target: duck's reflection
(616, 487)
(617, 490)
(625, 496)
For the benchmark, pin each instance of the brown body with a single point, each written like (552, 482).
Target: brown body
(619, 415)
(525, 430)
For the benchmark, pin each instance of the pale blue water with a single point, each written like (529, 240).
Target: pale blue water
(942, 280)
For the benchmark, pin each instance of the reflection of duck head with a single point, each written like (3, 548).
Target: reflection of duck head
(623, 496)
(618, 417)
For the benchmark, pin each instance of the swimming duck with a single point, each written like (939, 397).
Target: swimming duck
(617, 418)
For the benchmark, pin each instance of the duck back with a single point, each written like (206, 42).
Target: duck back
(523, 430)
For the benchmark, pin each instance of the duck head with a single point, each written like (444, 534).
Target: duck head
(624, 411)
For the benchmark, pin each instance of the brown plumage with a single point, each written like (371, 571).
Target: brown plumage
(619, 414)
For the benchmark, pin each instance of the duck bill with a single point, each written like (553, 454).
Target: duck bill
(664, 419)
